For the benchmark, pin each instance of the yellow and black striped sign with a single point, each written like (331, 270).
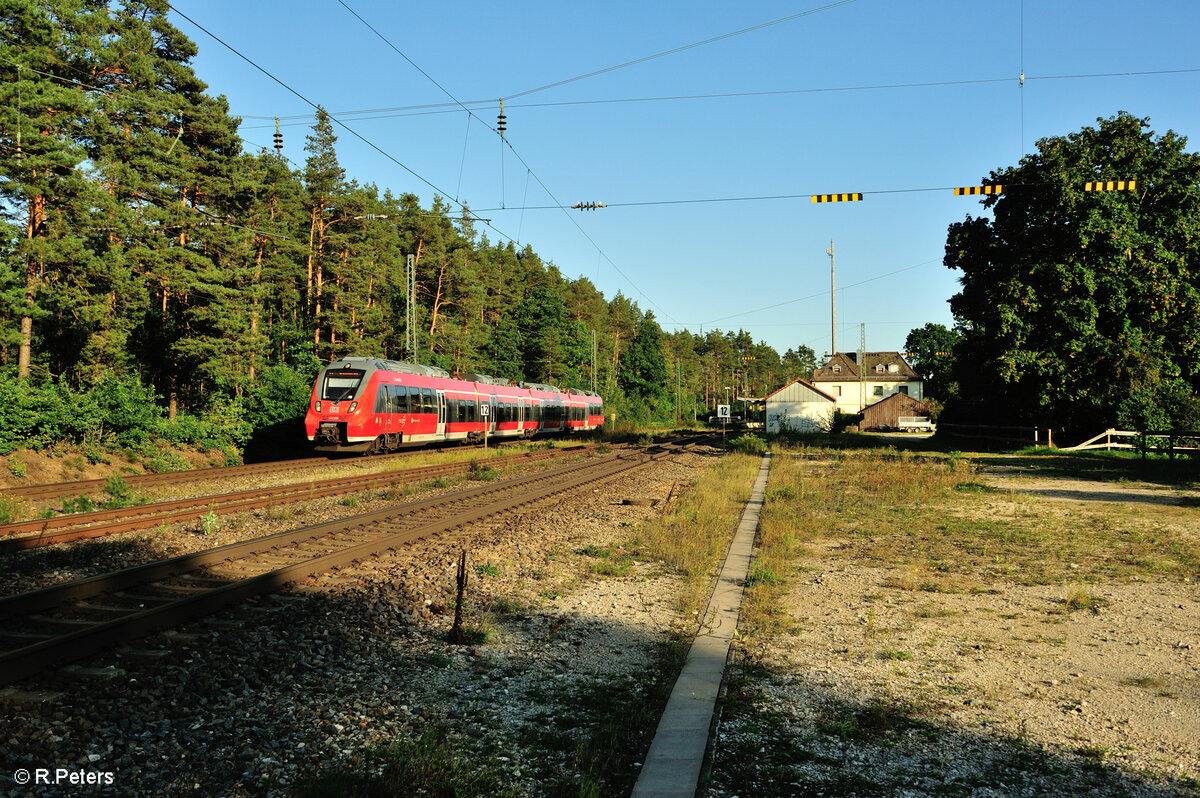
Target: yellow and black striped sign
(964, 190)
(837, 197)
(1111, 185)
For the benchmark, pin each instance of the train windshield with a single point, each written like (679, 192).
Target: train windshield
(341, 384)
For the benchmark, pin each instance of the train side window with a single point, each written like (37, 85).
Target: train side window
(428, 401)
(381, 399)
(412, 399)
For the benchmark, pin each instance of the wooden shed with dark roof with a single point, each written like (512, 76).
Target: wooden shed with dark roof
(897, 411)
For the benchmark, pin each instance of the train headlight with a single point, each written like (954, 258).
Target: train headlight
(353, 406)
(318, 405)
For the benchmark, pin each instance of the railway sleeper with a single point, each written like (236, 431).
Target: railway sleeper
(25, 638)
(277, 559)
(86, 672)
(234, 573)
(70, 623)
(105, 608)
(150, 654)
(143, 598)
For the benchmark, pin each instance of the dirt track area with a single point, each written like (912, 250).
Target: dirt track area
(889, 684)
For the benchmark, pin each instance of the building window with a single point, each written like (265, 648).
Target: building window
(878, 368)
(837, 369)
(904, 390)
(837, 390)
(879, 390)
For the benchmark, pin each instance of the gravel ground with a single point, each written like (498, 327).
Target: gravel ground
(872, 689)
(289, 686)
(877, 687)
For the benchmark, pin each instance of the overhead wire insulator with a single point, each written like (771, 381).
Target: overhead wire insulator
(588, 206)
(501, 120)
(278, 138)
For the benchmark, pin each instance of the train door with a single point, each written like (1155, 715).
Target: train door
(382, 409)
(441, 415)
(387, 418)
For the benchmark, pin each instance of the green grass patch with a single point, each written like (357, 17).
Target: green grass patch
(426, 765)
(911, 511)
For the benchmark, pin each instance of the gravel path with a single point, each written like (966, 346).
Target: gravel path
(253, 700)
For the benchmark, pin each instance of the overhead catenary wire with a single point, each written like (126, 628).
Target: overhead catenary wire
(427, 109)
(820, 294)
(681, 49)
(342, 124)
(506, 142)
(762, 197)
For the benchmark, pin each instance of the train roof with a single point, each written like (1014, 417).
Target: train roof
(539, 386)
(484, 379)
(400, 366)
(389, 365)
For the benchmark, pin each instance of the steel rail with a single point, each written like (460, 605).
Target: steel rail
(35, 658)
(87, 487)
(36, 533)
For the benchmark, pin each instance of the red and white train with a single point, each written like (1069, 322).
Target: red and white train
(362, 404)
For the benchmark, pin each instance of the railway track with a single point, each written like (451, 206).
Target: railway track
(59, 624)
(92, 487)
(36, 533)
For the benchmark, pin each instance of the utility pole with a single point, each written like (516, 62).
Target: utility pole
(676, 393)
(862, 366)
(832, 302)
(410, 322)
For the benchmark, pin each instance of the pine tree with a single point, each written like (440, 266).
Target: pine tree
(46, 49)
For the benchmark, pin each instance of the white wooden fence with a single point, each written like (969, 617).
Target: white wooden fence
(1169, 442)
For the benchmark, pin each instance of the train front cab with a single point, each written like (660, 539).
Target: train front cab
(357, 406)
(333, 412)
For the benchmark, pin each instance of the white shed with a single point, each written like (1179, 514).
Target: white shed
(799, 407)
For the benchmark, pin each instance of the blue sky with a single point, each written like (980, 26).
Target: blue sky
(710, 224)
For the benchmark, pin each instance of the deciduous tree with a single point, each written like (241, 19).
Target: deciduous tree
(1078, 306)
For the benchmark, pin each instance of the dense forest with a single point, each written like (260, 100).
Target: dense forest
(148, 261)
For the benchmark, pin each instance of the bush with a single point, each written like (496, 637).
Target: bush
(166, 461)
(282, 394)
(10, 509)
(116, 411)
(842, 420)
(482, 473)
(30, 415)
(749, 444)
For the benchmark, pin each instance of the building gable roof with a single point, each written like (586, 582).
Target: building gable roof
(804, 383)
(847, 368)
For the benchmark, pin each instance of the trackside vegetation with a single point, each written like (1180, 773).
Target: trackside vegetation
(144, 247)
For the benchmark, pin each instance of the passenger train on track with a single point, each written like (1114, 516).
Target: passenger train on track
(369, 405)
